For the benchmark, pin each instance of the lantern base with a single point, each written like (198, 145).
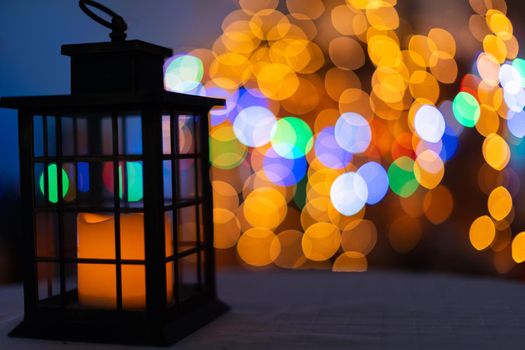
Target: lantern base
(142, 333)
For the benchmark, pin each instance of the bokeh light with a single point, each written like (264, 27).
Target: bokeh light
(466, 109)
(283, 171)
(328, 150)
(349, 193)
(331, 104)
(518, 248)
(183, 73)
(321, 241)
(499, 203)
(516, 123)
(482, 232)
(376, 180)
(353, 133)
(496, 151)
(429, 123)
(256, 246)
(401, 177)
(291, 138)
(253, 126)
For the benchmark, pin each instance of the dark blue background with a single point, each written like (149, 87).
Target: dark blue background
(31, 32)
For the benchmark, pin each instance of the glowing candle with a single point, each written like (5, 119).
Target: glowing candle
(96, 240)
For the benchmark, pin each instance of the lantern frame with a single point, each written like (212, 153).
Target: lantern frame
(97, 87)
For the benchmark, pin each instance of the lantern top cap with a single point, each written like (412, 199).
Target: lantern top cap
(137, 46)
(117, 66)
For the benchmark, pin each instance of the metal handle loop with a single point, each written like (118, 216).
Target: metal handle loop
(117, 25)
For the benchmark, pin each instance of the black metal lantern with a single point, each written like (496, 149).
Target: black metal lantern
(117, 202)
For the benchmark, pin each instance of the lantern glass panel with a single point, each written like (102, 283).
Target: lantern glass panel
(197, 134)
(130, 134)
(202, 238)
(87, 135)
(50, 136)
(48, 282)
(75, 183)
(199, 178)
(95, 186)
(46, 225)
(170, 283)
(41, 185)
(166, 134)
(69, 132)
(133, 287)
(97, 287)
(188, 276)
(167, 177)
(186, 134)
(69, 178)
(70, 234)
(71, 279)
(38, 136)
(186, 228)
(131, 184)
(95, 235)
(132, 236)
(203, 276)
(170, 237)
(46, 184)
(186, 179)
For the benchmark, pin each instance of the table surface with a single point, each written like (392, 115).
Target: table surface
(278, 309)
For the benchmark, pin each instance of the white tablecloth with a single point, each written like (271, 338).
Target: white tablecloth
(322, 310)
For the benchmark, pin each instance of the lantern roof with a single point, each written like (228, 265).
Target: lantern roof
(134, 46)
(111, 101)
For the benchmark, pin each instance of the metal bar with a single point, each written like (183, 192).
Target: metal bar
(48, 159)
(75, 156)
(91, 261)
(75, 138)
(116, 208)
(156, 301)
(196, 188)
(46, 193)
(181, 156)
(124, 170)
(91, 209)
(186, 203)
(60, 202)
(207, 206)
(99, 158)
(185, 253)
(27, 190)
(174, 135)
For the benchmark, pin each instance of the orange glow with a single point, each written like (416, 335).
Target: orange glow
(518, 248)
(96, 240)
(496, 151)
(482, 232)
(257, 246)
(499, 203)
(404, 234)
(350, 262)
(321, 241)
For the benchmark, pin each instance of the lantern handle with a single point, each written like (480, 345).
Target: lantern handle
(117, 24)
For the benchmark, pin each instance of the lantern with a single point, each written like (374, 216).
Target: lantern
(117, 202)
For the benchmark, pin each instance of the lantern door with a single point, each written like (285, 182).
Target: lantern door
(89, 210)
(185, 177)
